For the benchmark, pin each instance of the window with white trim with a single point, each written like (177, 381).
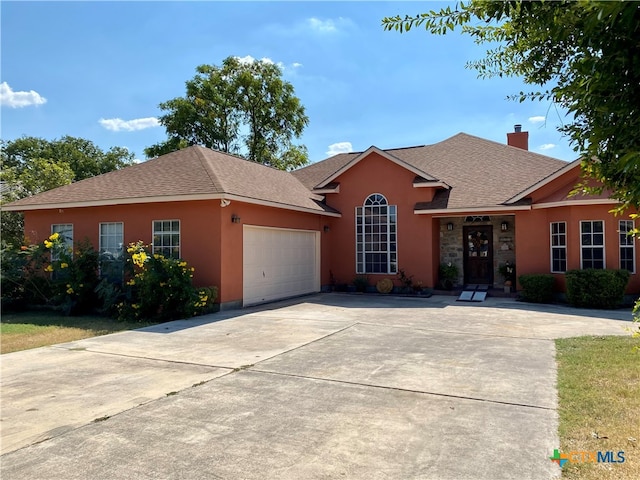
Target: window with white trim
(112, 250)
(627, 246)
(376, 236)
(166, 238)
(558, 247)
(65, 231)
(592, 244)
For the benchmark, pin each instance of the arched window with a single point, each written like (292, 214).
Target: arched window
(376, 236)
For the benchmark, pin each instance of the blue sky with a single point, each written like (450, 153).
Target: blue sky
(99, 70)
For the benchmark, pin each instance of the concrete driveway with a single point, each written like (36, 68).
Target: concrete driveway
(328, 386)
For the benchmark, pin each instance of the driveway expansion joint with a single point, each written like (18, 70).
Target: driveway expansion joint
(456, 332)
(408, 390)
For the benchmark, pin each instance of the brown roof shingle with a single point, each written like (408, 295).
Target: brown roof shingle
(193, 171)
(481, 173)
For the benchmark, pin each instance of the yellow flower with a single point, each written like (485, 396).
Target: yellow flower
(49, 268)
(48, 244)
(162, 284)
(139, 258)
(70, 291)
(81, 285)
(64, 265)
(182, 264)
(135, 306)
(193, 269)
(131, 282)
(54, 236)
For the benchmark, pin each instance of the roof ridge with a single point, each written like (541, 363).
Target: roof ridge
(505, 145)
(208, 167)
(240, 157)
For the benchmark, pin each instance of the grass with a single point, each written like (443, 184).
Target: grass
(599, 397)
(25, 330)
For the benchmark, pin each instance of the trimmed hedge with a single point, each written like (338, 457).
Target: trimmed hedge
(537, 288)
(592, 288)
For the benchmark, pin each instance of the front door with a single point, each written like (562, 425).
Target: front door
(478, 254)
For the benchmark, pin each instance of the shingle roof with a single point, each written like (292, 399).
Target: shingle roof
(185, 174)
(481, 172)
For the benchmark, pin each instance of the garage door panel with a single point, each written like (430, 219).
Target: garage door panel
(279, 263)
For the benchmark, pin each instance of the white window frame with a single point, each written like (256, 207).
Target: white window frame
(627, 241)
(103, 249)
(65, 230)
(389, 227)
(560, 246)
(159, 248)
(603, 246)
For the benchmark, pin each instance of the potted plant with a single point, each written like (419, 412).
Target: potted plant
(508, 272)
(448, 275)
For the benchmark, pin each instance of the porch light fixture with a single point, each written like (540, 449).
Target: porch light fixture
(504, 226)
(326, 229)
(449, 226)
(235, 218)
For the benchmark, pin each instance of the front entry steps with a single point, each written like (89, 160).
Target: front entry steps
(474, 293)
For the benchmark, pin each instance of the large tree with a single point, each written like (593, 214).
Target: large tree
(241, 107)
(83, 157)
(32, 165)
(582, 55)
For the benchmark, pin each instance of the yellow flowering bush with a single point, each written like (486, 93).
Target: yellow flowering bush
(160, 288)
(50, 274)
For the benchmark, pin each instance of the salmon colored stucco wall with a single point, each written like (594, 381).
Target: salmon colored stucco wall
(560, 188)
(210, 242)
(416, 245)
(533, 251)
(199, 229)
(231, 253)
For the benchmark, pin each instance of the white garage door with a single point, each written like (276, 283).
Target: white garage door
(279, 263)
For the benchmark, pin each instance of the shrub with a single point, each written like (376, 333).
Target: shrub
(448, 273)
(76, 278)
(361, 282)
(537, 288)
(592, 288)
(160, 288)
(30, 276)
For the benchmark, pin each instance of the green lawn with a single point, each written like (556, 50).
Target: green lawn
(21, 331)
(599, 396)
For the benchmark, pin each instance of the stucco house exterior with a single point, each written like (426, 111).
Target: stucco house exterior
(260, 234)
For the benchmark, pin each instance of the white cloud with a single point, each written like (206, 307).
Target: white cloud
(248, 60)
(547, 146)
(537, 119)
(340, 147)
(117, 124)
(296, 65)
(12, 99)
(328, 26)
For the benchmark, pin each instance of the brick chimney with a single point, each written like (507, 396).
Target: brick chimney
(518, 138)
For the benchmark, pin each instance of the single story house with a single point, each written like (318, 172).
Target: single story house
(260, 234)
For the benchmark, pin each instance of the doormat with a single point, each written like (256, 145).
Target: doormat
(474, 293)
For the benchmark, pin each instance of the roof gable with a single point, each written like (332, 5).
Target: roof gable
(545, 181)
(480, 173)
(384, 154)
